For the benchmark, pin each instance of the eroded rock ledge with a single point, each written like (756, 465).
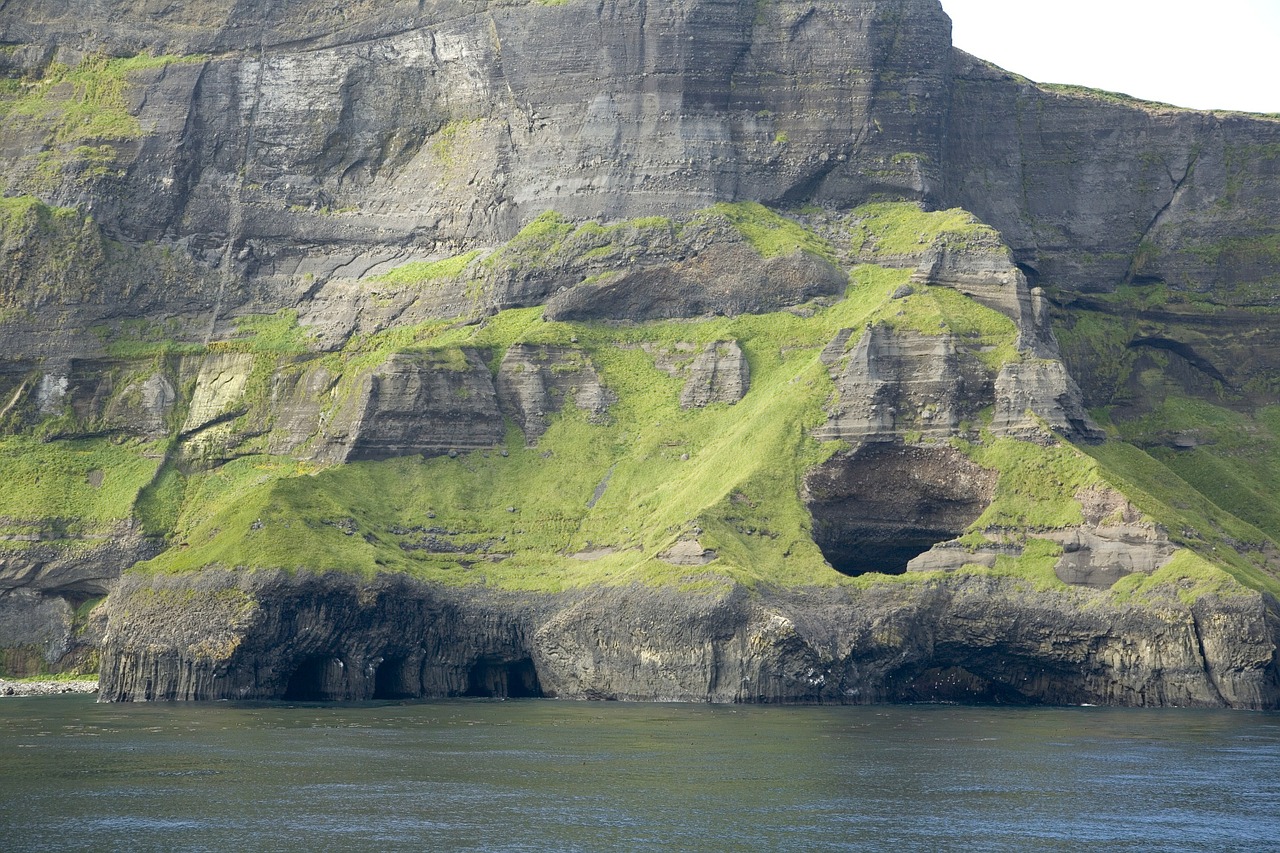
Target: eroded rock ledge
(959, 637)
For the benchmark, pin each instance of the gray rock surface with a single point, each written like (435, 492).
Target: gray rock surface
(1092, 191)
(84, 565)
(717, 372)
(41, 633)
(894, 382)
(1036, 392)
(730, 279)
(417, 404)
(962, 638)
(535, 382)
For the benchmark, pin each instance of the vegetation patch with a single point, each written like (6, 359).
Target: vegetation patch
(277, 333)
(1036, 486)
(770, 233)
(899, 228)
(1187, 575)
(80, 109)
(71, 487)
(625, 488)
(1117, 98)
(426, 272)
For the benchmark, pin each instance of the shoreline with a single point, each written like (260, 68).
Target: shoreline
(47, 688)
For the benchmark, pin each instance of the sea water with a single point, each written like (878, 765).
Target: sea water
(549, 775)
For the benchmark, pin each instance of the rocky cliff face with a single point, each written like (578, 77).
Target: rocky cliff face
(953, 639)
(459, 348)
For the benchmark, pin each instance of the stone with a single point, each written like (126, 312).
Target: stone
(891, 383)
(271, 635)
(718, 374)
(534, 382)
(1034, 394)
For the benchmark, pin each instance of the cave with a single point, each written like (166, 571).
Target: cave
(949, 683)
(503, 680)
(880, 506)
(394, 679)
(309, 682)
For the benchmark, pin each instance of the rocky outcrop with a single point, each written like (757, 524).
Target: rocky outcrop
(959, 638)
(982, 268)
(42, 633)
(717, 372)
(271, 636)
(730, 279)
(535, 382)
(894, 382)
(82, 564)
(1032, 394)
(427, 403)
(419, 404)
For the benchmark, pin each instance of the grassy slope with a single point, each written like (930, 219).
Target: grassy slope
(1219, 493)
(728, 475)
(71, 487)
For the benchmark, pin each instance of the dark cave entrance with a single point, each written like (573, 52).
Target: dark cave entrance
(504, 680)
(952, 684)
(310, 681)
(879, 507)
(394, 680)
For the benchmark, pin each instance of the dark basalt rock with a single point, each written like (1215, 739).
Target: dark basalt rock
(964, 638)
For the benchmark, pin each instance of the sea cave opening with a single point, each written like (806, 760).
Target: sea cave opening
(883, 505)
(310, 680)
(504, 680)
(394, 679)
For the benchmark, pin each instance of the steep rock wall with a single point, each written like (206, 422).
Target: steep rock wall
(1093, 191)
(458, 121)
(268, 636)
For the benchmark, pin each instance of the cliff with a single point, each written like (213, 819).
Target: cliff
(722, 351)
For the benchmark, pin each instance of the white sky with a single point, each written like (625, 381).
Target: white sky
(1206, 54)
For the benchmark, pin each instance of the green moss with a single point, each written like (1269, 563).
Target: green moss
(533, 244)
(71, 487)
(1036, 486)
(160, 501)
(78, 109)
(1035, 563)
(902, 228)
(20, 214)
(277, 333)
(670, 472)
(1236, 460)
(426, 272)
(769, 233)
(621, 491)
(1187, 575)
(1191, 518)
(990, 335)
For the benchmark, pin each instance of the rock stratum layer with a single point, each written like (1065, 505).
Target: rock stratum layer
(717, 352)
(956, 639)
